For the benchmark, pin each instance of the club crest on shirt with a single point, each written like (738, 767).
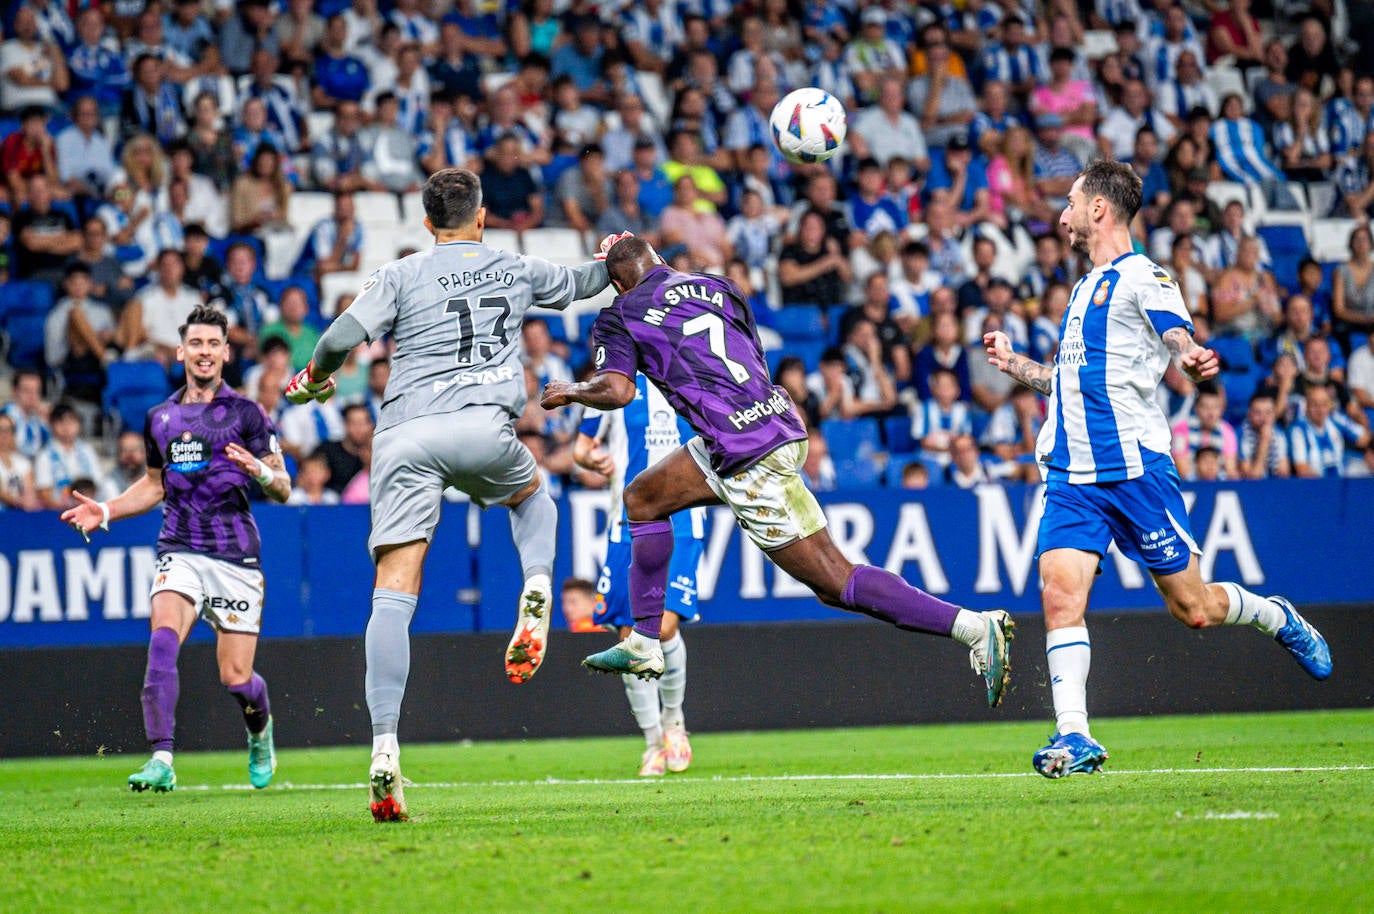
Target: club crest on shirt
(1100, 296)
(1073, 352)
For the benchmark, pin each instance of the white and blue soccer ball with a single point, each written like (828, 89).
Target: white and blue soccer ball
(809, 125)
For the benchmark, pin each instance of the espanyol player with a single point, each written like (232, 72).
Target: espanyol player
(205, 446)
(693, 335)
(622, 444)
(1104, 452)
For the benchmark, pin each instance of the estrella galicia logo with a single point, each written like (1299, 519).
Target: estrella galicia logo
(188, 453)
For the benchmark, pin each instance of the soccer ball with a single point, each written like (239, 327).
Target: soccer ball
(808, 125)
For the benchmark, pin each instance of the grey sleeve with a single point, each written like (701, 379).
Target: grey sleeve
(337, 341)
(589, 279)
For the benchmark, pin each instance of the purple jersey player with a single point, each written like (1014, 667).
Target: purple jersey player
(205, 446)
(693, 336)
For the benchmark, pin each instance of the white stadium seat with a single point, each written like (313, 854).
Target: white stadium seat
(413, 208)
(502, 240)
(560, 245)
(308, 208)
(1331, 239)
(1228, 81)
(1223, 192)
(332, 285)
(1098, 43)
(377, 207)
(282, 248)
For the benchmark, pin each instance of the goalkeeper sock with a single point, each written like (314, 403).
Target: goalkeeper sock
(1068, 654)
(252, 697)
(160, 689)
(672, 685)
(1246, 608)
(534, 527)
(387, 646)
(643, 695)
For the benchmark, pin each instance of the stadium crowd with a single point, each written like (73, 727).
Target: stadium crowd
(265, 155)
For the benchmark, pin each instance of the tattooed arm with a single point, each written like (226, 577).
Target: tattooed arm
(1035, 375)
(1197, 362)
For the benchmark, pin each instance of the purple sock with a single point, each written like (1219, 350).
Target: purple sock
(882, 595)
(651, 546)
(252, 697)
(160, 689)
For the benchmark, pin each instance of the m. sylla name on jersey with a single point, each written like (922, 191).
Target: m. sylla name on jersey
(469, 278)
(677, 294)
(774, 405)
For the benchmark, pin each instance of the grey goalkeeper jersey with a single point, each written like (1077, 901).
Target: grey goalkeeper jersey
(455, 313)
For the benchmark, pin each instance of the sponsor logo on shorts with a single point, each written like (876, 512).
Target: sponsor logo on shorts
(775, 405)
(227, 605)
(1162, 541)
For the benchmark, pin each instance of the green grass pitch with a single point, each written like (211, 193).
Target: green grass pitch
(1242, 813)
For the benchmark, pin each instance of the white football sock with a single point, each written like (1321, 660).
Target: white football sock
(643, 695)
(164, 756)
(970, 628)
(641, 644)
(672, 685)
(1246, 608)
(386, 742)
(1069, 654)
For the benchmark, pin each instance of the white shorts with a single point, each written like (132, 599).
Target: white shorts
(227, 596)
(770, 499)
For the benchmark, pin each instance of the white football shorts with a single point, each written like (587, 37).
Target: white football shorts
(770, 499)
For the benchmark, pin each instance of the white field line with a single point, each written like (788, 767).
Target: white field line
(747, 778)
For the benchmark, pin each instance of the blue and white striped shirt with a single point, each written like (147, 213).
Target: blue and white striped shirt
(1323, 449)
(1239, 147)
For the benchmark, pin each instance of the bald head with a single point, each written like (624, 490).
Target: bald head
(628, 261)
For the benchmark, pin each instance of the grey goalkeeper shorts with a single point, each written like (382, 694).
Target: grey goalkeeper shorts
(475, 450)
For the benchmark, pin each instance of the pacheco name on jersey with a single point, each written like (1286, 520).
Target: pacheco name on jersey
(1073, 352)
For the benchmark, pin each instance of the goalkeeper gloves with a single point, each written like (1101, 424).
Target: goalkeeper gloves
(304, 388)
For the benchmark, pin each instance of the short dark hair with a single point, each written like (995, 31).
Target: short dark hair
(624, 259)
(33, 112)
(352, 407)
(274, 343)
(579, 585)
(1062, 55)
(452, 197)
(1118, 183)
(62, 411)
(205, 316)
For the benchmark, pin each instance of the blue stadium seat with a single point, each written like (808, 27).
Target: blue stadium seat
(808, 352)
(24, 307)
(852, 439)
(800, 323)
(857, 474)
(1236, 353)
(1240, 387)
(897, 434)
(133, 388)
(773, 357)
(892, 474)
(835, 314)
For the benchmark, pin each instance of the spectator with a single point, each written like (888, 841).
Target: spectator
(1047, 269)
(109, 283)
(1192, 284)
(1360, 376)
(29, 412)
(532, 147)
(309, 428)
(1186, 92)
(1354, 180)
(1055, 166)
(632, 124)
(482, 32)
(204, 203)
(1045, 331)
(152, 105)
(346, 457)
(243, 297)
(886, 129)
(1311, 57)
(203, 272)
(1208, 465)
(1011, 180)
(871, 57)
(186, 31)
(1223, 248)
(701, 231)
(131, 464)
(1302, 145)
(285, 115)
(1273, 95)
(212, 148)
(1239, 143)
(942, 238)
(944, 101)
(85, 159)
(1263, 448)
(453, 71)
(45, 237)
(652, 32)
(76, 336)
(448, 142)
(149, 325)
(299, 32)
(335, 243)
(1180, 219)
(822, 196)
(971, 291)
(17, 491)
(790, 375)
(339, 75)
(1320, 437)
(1245, 299)
(1292, 335)
(1164, 51)
(988, 387)
(625, 213)
(337, 160)
(876, 308)
(994, 117)
(260, 198)
(293, 328)
(870, 211)
(584, 193)
(27, 152)
(312, 478)
(1352, 298)
(1013, 427)
(944, 352)
(1205, 428)
(1013, 59)
(754, 231)
(911, 289)
(581, 58)
(1234, 31)
(1318, 371)
(1117, 132)
(33, 72)
(940, 418)
(247, 29)
(1348, 114)
(813, 270)
(915, 476)
(967, 467)
(818, 467)
(509, 192)
(273, 366)
(1069, 97)
(655, 190)
(545, 365)
(63, 460)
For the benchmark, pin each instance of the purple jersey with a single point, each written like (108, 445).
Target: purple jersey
(693, 335)
(206, 505)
